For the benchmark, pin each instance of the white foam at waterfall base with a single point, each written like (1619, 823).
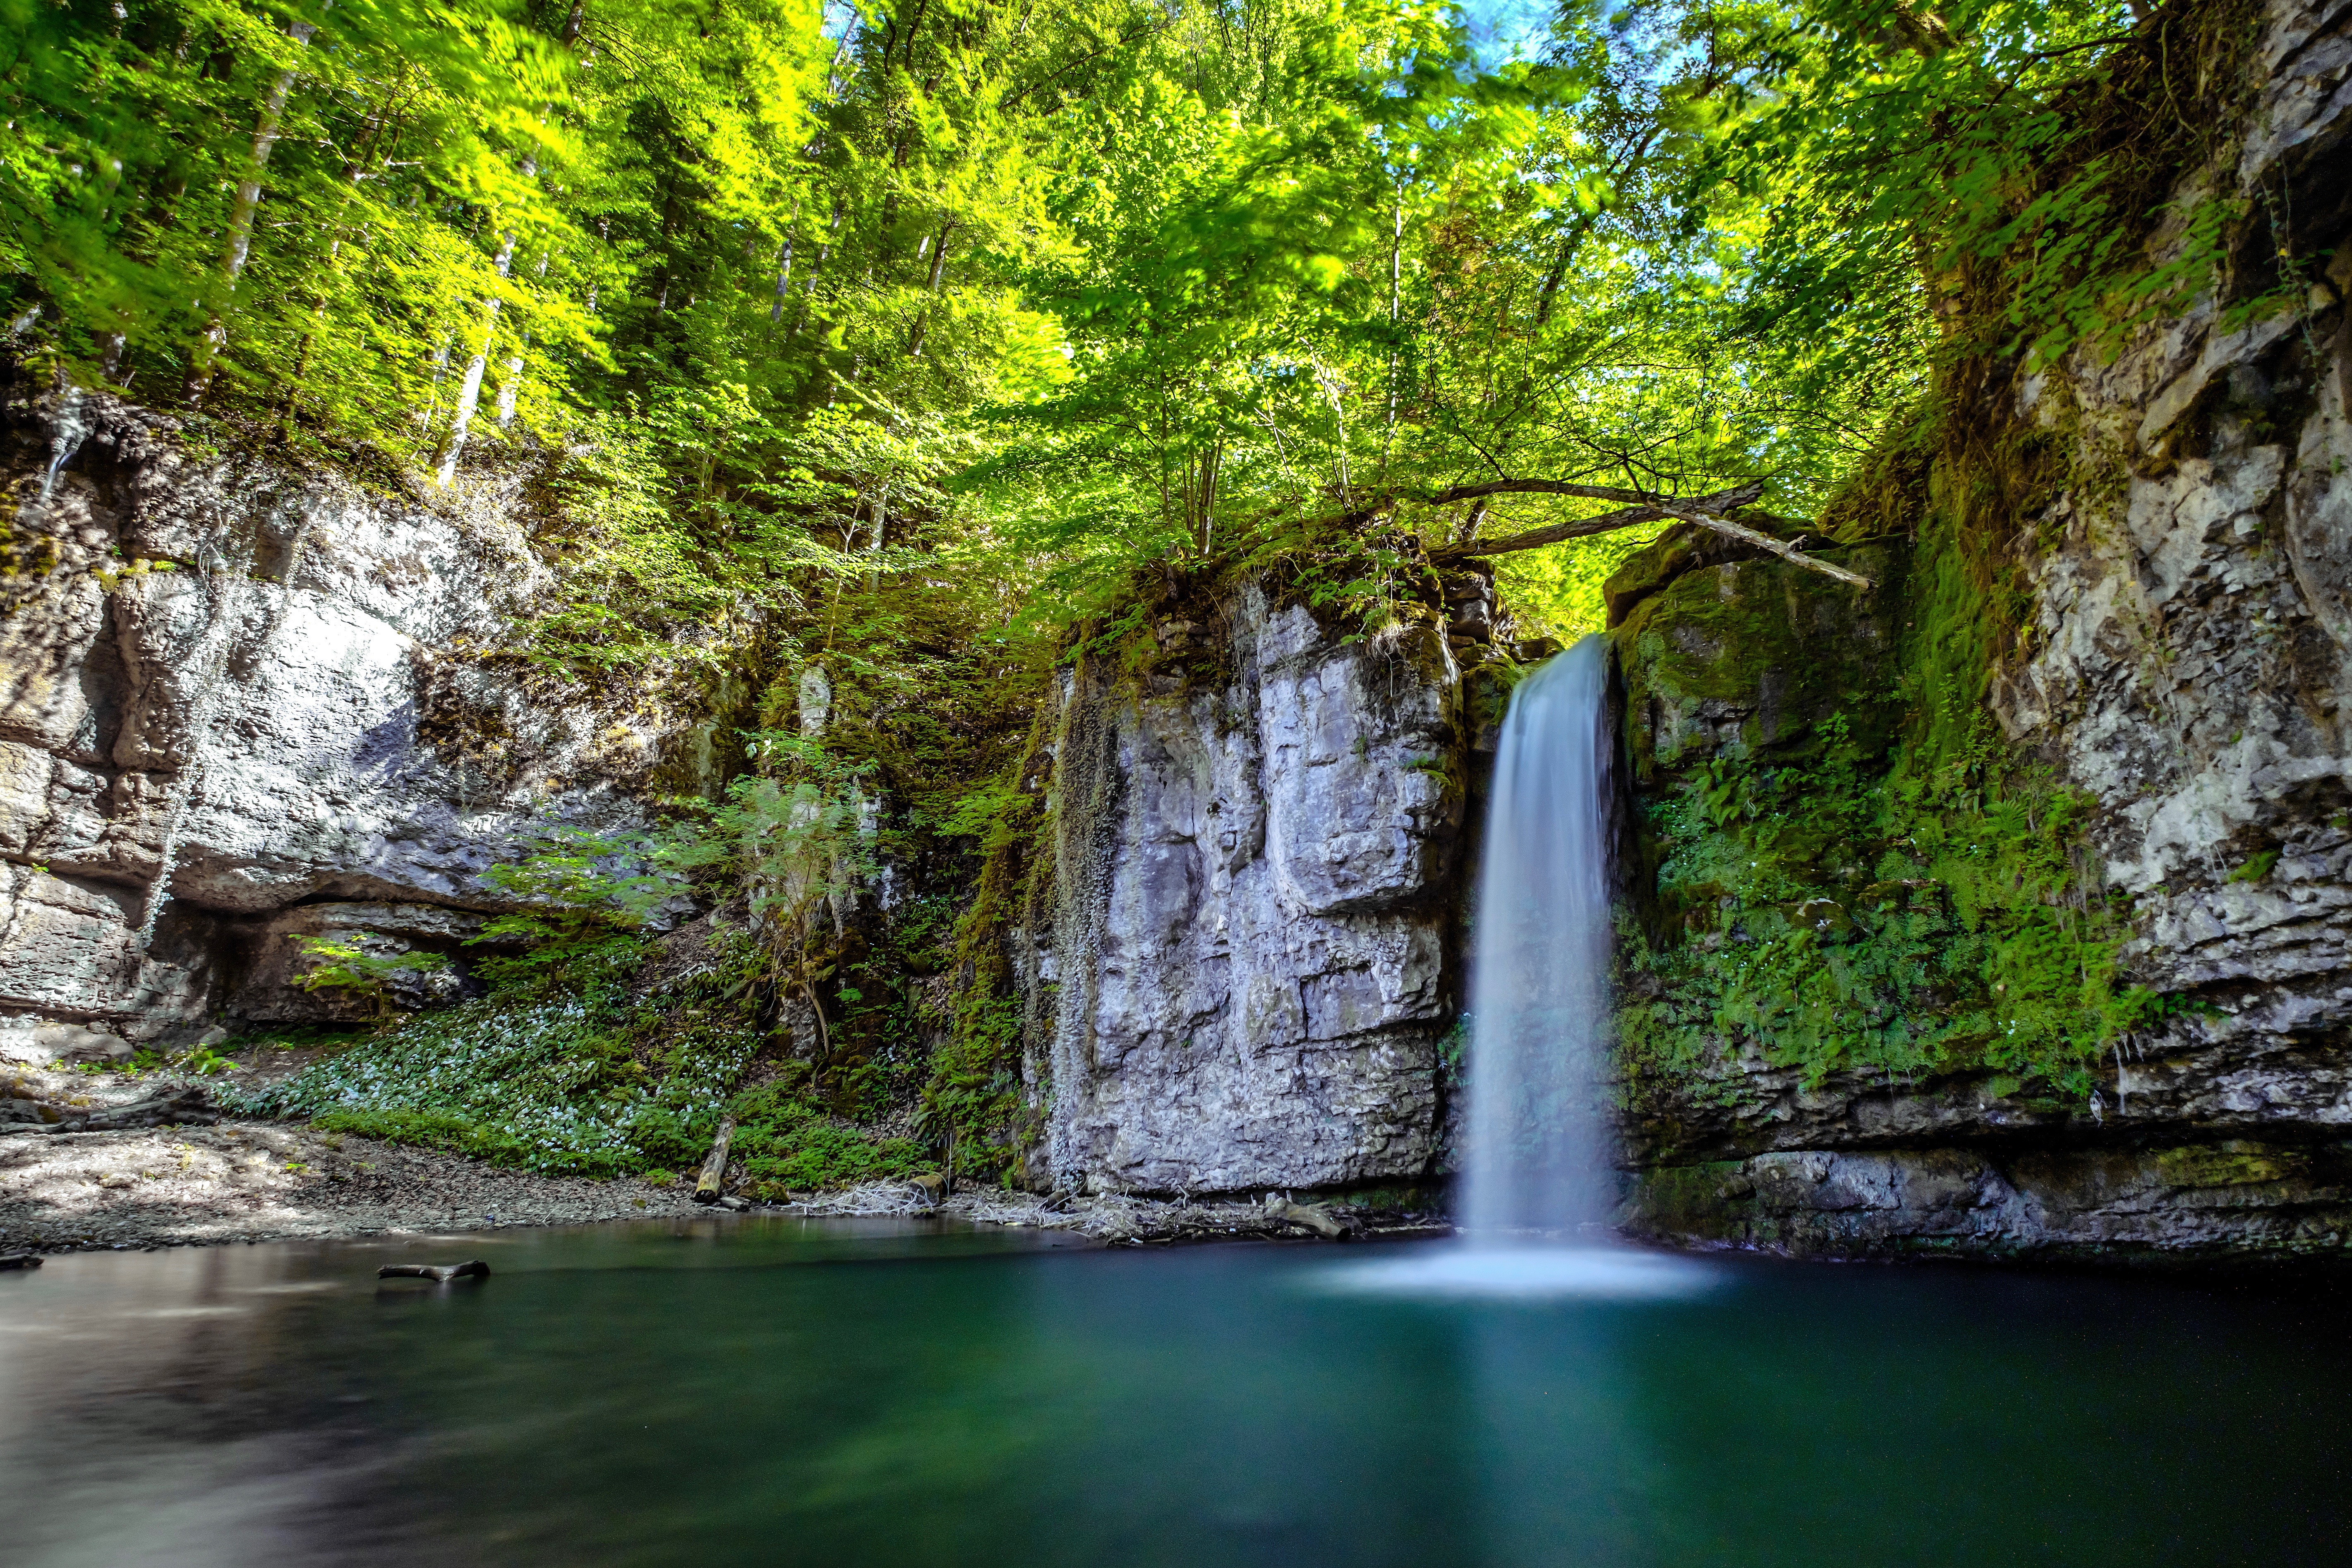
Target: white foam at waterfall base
(1539, 1144)
(1471, 1271)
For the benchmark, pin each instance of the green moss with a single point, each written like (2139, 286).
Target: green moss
(1695, 1200)
(1848, 869)
(972, 1100)
(1765, 649)
(2255, 870)
(1838, 916)
(2236, 1164)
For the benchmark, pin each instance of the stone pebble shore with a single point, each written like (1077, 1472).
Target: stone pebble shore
(253, 1181)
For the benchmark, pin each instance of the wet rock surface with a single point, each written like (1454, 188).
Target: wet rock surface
(2203, 1202)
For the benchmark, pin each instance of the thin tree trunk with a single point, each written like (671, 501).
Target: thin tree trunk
(469, 391)
(784, 280)
(240, 214)
(931, 287)
(816, 270)
(1396, 306)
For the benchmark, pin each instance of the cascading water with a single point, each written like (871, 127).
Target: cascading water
(68, 428)
(1537, 1154)
(1537, 1186)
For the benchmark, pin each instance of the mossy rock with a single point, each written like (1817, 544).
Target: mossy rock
(1683, 549)
(1746, 658)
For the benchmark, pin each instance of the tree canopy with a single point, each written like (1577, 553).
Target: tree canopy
(824, 304)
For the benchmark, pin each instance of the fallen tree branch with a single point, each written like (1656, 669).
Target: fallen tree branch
(1740, 495)
(707, 1187)
(185, 1105)
(1585, 527)
(1747, 535)
(1315, 1217)
(1705, 511)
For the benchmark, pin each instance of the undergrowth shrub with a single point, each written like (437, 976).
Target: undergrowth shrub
(787, 1144)
(576, 1084)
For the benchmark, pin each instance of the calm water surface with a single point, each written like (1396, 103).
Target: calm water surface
(780, 1393)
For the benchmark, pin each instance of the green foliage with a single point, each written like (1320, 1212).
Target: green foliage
(590, 1083)
(346, 963)
(788, 1144)
(792, 833)
(1846, 917)
(328, 210)
(2006, 160)
(205, 1061)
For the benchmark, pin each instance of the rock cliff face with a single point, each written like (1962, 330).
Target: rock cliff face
(2187, 664)
(229, 715)
(1251, 968)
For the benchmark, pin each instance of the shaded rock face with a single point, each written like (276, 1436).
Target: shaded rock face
(242, 671)
(2188, 666)
(1251, 962)
(1747, 655)
(2231, 1199)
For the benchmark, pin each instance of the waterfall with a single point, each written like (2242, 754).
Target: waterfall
(1538, 1172)
(1538, 1152)
(68, 428)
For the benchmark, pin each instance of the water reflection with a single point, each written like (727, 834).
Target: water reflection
(780, 1394)
(1564, 1474)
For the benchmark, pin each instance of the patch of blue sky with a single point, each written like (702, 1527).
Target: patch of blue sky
(1502, 31)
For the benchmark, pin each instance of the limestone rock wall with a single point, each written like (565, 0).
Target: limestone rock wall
(2189, 665)
(245, 670)
(1251, 974)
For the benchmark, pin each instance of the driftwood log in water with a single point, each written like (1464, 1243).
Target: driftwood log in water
(20, 1261)
(711, 1182)
(444, 1272)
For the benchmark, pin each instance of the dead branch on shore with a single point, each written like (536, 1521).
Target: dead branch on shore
(709, 1187)
(186, 1106)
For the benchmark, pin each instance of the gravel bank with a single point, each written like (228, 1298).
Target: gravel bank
(266, 1181)
(272, 1181)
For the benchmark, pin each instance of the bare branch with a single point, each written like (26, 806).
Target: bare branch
(1705, 511)
(1747, 535)
(1647, 509)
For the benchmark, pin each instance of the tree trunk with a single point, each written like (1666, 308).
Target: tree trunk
(469, 391)
(709, 1186)
(241, 215)
(931, 287)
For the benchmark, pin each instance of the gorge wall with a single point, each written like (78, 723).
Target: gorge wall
(2180, 660)
(1256, 865)
(2120, 1032)
(230, 682)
